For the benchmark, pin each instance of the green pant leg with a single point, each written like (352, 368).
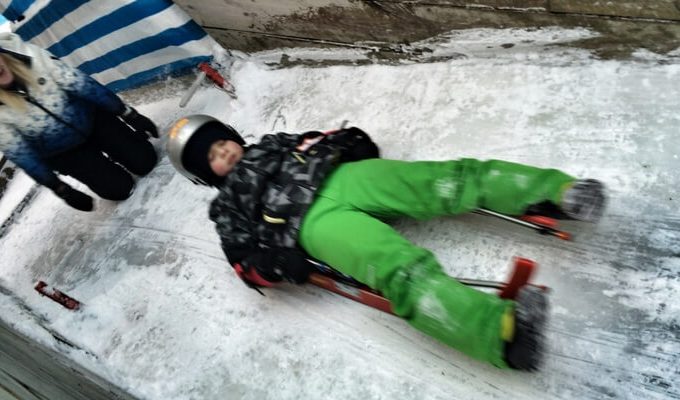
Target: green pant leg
(510, 188)
(339, 231)
(372, 252)
(426, 189)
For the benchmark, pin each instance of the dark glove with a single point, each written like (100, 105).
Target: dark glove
(138, 122)
(357, 145)
(74, 198)
(293, 265)
(275, 265)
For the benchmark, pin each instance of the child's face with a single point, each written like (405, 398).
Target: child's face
(6, 75)
(223, 155)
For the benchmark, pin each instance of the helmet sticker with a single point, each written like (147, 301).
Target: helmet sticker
(175, 129)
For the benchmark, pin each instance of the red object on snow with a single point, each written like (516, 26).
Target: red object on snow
(57, 295)
(217, 78)
(214, 76)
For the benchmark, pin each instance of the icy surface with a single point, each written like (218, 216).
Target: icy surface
(165, 317)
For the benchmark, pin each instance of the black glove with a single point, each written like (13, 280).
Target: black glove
(356, 144)
(74, 198)
(274, 265)
(138, 122)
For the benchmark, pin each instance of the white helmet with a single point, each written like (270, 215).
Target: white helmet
(179, 135)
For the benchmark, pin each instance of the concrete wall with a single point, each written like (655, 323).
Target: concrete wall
(252, 25)
(655, 9)
(30, 371)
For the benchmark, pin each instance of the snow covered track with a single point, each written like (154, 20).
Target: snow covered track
(164, 317)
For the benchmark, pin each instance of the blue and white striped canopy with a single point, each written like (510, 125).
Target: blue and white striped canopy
(121, 43)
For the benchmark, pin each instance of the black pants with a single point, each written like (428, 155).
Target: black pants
(104, 162)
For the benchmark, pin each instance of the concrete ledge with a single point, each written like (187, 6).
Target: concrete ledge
(30, 371)
(657, 9)
(251, 26)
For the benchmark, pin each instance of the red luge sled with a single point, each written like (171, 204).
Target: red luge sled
(328, 279)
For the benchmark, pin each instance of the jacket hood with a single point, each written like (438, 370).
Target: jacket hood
(12, 44)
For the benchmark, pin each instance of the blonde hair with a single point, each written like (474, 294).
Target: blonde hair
(23, 74)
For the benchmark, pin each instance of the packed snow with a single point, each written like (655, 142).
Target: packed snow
(165, 317)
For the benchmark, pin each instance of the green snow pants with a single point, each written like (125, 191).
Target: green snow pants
(343, 229)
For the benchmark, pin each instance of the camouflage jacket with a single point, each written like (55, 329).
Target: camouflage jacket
(264, 198)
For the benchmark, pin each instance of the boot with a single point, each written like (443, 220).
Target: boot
(525, 351)
(584, 200)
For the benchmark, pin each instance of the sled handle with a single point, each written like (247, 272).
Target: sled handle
(521, 274)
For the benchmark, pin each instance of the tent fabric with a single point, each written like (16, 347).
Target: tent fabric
(121, 43)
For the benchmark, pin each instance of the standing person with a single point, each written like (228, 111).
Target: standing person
(56, 118)
(323, 195)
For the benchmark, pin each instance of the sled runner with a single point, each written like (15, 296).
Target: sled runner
(336, 282)
(522, 269)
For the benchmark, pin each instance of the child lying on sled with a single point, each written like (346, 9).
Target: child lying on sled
(292, 196)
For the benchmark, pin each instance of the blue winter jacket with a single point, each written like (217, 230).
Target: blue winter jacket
(60, 110)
